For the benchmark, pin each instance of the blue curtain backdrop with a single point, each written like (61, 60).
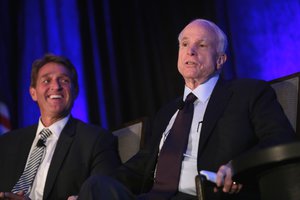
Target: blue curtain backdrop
(265, 37)
(48, 26)
(126, 51)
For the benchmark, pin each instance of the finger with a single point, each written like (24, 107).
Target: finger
(72, 197)
(236, 188)
(2, 195)
(221, 173)
(240, 186)
(10, 195)
(228, 181)
(227, 186)
(215, 190)
(21, 193)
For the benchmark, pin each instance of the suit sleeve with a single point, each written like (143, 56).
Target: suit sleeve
(105, 154)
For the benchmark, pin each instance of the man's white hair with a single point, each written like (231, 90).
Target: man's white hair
(222, 38)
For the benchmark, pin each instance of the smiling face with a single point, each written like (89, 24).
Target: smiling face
(53, 92)
(199, 57)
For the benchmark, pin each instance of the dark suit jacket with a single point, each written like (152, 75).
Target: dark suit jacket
(82, 150)
(241, 116)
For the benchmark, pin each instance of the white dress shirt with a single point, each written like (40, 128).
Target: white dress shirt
(38, 185)
(189, 163)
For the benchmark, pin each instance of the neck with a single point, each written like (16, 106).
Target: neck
(48, 121)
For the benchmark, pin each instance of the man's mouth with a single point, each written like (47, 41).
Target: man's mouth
(190, 63)
(55, 96)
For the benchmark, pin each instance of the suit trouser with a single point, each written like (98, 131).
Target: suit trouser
(106, 188)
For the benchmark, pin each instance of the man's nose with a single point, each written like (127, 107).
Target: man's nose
(191, 51)
(56, 84)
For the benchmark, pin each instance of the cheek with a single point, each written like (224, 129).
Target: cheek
(70, 94)
(179, 63)
(181, 55)
(209, 62)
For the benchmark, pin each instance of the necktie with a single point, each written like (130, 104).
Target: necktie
(171, 155)
(35, 158)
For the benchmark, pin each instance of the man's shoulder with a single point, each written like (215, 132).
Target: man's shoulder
(246, 83)
(19, 131)
(166, 111)
(17, 135)
(172, 104)
(87, 128)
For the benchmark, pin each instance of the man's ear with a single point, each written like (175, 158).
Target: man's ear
(32, 92)
(221, 60)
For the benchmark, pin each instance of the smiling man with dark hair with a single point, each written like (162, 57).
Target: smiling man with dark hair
(52, 159)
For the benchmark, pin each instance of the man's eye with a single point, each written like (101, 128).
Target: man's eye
(65, 80)
(184, 44)
(46, 81)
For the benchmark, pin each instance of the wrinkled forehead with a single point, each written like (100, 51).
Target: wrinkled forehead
(53, 67)
(198, 29)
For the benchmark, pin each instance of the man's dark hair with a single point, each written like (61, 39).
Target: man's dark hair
(48, 58)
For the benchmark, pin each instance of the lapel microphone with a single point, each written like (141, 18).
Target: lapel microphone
(40, 143)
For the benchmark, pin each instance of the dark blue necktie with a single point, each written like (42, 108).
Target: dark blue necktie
(171, 155)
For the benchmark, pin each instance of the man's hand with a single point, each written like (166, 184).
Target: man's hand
(224, 179)
(72, 197)
(11, 196)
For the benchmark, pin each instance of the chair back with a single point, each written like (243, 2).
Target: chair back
(130, 138)
(287, 91)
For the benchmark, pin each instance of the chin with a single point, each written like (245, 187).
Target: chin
(192, 76)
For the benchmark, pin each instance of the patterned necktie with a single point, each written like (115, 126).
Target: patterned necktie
(171, 155)
(26, 179)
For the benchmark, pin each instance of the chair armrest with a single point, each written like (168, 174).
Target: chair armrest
(200, 183)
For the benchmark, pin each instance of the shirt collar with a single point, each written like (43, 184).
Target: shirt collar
(55, 128)
(203, 91)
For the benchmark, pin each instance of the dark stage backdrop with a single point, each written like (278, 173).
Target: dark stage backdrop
(126, 51)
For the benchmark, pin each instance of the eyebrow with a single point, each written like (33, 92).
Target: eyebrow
(183, 38)
(61, 75)
(199, 41)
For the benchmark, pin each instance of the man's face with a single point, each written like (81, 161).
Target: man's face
(54, 91)
(198, 57)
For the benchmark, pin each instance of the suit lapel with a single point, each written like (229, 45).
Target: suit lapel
(216, 105)
(162, 121)
(22, 153)
(63, 144)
